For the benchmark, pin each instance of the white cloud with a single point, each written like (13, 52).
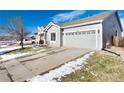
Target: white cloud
(122, 22)
(67, 16)
(121, 13)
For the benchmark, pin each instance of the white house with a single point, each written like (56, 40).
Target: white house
(40, 34)
(94, 32)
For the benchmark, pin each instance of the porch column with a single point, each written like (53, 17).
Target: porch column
(45, 37)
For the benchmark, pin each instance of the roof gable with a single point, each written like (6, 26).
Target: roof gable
(50, 25)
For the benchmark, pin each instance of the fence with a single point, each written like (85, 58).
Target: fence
(118, 41)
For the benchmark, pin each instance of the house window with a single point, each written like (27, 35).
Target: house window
(75, 33)
(72, 33)
(83, 32)
(79, 33)
(88, 32)
(93, 32)
(53, 36)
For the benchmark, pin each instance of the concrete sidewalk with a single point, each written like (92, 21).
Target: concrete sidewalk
(17, 71)
(28, 67)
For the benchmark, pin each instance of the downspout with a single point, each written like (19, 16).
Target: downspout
(101, 35)
(61, 39)
(45, 37)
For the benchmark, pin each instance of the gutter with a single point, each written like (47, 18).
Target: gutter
(84, 24)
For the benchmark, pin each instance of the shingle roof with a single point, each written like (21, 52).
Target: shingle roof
(89, 19)
(59, 24)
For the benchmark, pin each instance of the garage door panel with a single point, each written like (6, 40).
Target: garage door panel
(80, 40)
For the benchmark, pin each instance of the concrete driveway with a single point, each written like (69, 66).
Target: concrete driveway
(21, 69)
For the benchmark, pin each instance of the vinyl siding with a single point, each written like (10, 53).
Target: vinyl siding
(110, 26)
(54, 29)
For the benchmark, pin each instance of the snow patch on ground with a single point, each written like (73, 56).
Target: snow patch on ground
(67, 68)
(4, 50)
(5, 56)
(11, 56)
(7, 49)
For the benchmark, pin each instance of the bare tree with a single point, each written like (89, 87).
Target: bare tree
(15, 27)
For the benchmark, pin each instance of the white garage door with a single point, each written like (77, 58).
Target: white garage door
(80, 39)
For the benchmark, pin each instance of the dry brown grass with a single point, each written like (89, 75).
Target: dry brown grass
(27, 49)
(101, 67)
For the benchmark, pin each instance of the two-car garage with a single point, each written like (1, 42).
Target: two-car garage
(83, 37)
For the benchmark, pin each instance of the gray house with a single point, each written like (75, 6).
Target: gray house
(94, 32)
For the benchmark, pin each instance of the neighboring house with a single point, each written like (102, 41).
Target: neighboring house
(94, 32)
(7, 40)
(40, 35)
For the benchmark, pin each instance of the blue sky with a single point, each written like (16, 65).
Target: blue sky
(34, 18)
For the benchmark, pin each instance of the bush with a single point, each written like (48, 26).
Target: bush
(41, 42)
(33, 42)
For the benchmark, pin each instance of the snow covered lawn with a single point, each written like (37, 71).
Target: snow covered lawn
(4, 50)
(56, 74)
(11, 56)
(5, 57)
(8, 49)
(18, 52)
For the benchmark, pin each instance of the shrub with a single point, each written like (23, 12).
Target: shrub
(41, 42)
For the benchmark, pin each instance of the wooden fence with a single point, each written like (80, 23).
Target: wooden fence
(118, 41)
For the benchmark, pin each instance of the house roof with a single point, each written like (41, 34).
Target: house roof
(97, 17)
(59, 24)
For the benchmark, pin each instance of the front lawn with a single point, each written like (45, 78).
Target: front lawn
(101, 67)
(28, 49)
(23, 52)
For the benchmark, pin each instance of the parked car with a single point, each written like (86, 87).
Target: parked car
(27, 42)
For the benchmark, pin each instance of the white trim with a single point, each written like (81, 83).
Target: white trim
(50, 24)
(97, 38)
(55, 37)
(101, 36)
(78, 30)
(91, 22)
